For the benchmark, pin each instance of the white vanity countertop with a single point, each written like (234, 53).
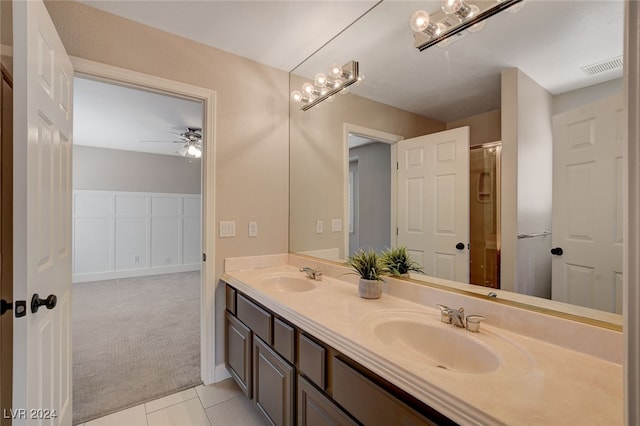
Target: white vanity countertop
(537, 384)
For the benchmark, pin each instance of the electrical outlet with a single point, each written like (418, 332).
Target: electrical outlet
(319, 227)
(336, 225)
(227, 228)
(136, 259)
(253, 229)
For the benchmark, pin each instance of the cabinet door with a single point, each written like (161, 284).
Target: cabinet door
(237, 352)
(315, 409)
(272, 384)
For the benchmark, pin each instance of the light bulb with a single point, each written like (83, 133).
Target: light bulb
(193, 150)
(474, 12)
(198, 154)
(419, 21)
(296, 96)
(360, 79)
(320, 80)
(335, 70)
(308, 88)
(451, 6)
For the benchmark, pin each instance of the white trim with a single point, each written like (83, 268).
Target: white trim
(380, 136)
(631, 277)
(208, 97)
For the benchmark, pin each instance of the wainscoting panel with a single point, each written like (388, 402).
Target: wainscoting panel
(126, 234)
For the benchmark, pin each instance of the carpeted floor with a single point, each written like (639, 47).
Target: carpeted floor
(134, 340)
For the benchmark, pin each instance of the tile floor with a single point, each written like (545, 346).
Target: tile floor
(220, 404)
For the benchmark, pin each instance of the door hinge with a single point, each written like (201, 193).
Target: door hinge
(397, 165)
(397, 232)
(204, 257)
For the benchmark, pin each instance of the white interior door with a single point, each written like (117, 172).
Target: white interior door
(587, 205)
(43, 78)
(433, 202)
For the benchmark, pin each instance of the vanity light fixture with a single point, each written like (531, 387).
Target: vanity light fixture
(455, 17)
(325, 86)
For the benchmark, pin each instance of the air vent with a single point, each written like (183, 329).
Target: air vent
(604, 66)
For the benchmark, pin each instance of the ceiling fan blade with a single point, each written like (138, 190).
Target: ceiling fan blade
(182, 151)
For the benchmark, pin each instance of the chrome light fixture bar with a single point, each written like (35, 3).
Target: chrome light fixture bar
(323, 87)
(470, 17)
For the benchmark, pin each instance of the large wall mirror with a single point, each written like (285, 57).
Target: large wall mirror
(495, 158)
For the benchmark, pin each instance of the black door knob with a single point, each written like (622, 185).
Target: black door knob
(50, 302)
(460, 246)
(557, 251)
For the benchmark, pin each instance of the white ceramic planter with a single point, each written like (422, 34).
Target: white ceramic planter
(369, 289)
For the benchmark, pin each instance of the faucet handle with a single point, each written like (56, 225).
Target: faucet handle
(444, 314)
(473, 323)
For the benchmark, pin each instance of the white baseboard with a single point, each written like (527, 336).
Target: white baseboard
(129, 273)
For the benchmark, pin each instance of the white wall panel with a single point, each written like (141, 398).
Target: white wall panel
(166, 206)
(132, 205)
(191, 240)
(125, 234)
(191, 206)
(131, 248)
(92, 244)
(166, 241)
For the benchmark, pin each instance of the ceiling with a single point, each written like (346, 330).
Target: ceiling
(445, 84)
(118, 117)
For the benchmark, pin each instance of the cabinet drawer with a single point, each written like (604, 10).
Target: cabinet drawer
(369, 403)
(256, 318)
(312, 361)
(284, 339)
(231, 299)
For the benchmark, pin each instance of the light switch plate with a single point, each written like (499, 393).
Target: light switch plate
(319, 227)
(227, 228)
(336, 225)
(253, 229)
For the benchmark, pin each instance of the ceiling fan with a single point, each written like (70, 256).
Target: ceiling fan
(191, 140)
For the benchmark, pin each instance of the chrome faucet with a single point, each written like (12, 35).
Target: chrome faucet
(457, 318)
(312, 273)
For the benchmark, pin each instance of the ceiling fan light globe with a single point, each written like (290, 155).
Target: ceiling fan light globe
(192, 150)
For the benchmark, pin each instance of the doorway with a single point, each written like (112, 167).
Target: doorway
(168, 256)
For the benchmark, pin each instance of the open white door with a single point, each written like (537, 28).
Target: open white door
(43, 78)
(433, 202)
(587, 205)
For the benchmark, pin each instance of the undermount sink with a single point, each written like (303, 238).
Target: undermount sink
(288, 284)
(444, 347)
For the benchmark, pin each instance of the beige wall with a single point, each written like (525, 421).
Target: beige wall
(484, 127)
(251, 157)
(318, 160)
(117, 170)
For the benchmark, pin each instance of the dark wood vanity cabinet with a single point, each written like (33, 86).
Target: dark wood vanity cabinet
(294, 378)
(237, 352)
(273, 384)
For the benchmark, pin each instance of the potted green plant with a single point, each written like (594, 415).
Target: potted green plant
(366, 263)
(397, 262)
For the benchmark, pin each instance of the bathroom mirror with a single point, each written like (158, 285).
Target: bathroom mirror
(492, 81)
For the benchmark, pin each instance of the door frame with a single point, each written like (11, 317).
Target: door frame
(209, 372)
(380, 136)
